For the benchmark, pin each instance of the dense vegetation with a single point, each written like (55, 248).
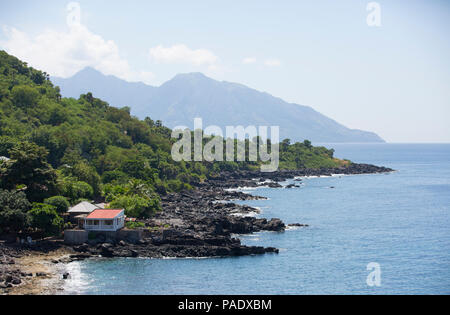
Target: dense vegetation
(64, 150)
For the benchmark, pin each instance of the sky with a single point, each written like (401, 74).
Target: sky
(380, 66)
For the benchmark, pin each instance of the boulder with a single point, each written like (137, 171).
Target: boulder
(16, 281)
(8, 279)
(106, 250)
(81, 248)
(275, 225)
(298, 225)
(272, 250)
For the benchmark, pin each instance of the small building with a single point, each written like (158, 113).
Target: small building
(79, 212)
(105, 220)
(82, 208)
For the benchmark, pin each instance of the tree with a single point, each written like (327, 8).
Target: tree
(59, 202)
(14, 206)
(149, 122)
(167, 170)
(45, 218)
(24, 96)
(140, 188)
(86, 173)
(285, 144)
(28, 166)
(136, 206)
(115, 176)
(137, 169)
(76, 190)
(308, 144)
(137, 197)
(6, 144)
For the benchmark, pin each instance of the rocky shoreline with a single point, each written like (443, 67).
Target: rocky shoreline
(26, 270)
(203, 222)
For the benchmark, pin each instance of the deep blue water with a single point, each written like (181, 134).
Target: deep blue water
(400, 221)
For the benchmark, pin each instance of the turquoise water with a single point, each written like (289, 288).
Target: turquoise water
(400, 221)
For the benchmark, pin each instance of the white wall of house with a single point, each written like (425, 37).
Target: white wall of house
(104, 224)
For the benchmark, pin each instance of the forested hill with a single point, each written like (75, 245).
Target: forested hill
(83, 148)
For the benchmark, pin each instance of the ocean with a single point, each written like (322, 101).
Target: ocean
(399, 221)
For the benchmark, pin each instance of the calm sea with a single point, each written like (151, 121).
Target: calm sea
(400, 221)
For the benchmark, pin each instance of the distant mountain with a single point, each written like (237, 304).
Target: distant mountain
(178, 101)
(117, 92)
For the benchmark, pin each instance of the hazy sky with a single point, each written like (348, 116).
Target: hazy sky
(392, 79)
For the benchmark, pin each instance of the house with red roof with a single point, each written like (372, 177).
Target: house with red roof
(105, 220)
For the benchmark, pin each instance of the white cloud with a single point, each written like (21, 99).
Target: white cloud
(63, 54)
(182, 54)
(249, 60)
(272, 62)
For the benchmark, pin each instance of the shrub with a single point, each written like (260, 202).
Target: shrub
(87, 174)
(176, 185)
(134, 225)
(110, 191)
(45, 218)
(160, 187)
(59, 202)
(14, 207)
(77, 190)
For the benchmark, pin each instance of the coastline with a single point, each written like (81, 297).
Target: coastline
(49, 284)
(33, 271)
(200, 223)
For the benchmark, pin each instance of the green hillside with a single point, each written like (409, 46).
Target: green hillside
(70, 149)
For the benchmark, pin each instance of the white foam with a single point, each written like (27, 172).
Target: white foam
(242, 189)
(246, 214)
(78, 281)
(253, 239)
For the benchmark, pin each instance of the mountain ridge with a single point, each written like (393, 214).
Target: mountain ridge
(188, 95)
